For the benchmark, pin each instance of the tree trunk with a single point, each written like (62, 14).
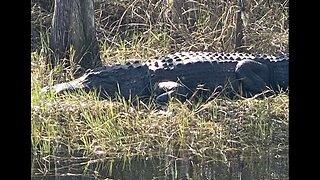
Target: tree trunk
(183, 12)
(241, 18)
(73, 28)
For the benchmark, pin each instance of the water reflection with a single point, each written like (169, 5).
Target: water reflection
(272, 166)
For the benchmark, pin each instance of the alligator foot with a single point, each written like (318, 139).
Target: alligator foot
(165, 90)
(253, 75)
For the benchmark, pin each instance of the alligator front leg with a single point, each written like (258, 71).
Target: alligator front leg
(165, 90)
(253, 75)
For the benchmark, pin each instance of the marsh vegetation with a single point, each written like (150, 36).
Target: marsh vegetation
(101, 138)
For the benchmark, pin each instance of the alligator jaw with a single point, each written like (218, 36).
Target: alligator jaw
(64, 87)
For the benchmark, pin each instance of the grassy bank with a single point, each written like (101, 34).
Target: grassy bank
(117, 128)
(81, 125)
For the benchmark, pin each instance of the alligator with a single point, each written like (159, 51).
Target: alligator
(184, 74)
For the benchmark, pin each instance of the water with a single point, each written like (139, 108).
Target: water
(269, 166)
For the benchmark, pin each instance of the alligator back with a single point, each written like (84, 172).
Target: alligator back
(191, 69)
(280, 72)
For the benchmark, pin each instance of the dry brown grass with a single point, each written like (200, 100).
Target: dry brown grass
(205, 26)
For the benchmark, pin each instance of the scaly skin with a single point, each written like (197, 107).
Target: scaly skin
(185, 71)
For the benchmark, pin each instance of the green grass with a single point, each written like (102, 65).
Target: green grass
(79, 124)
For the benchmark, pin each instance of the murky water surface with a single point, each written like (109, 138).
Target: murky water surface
(268, 166)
